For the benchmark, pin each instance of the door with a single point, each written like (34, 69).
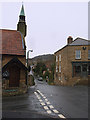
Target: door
(14, 76)
(84, 70)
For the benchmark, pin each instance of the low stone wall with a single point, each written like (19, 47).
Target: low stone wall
(14, 91)
(11, 91)
(73, 81)
(31, 80)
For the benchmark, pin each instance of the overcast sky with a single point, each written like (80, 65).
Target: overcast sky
(48, 23)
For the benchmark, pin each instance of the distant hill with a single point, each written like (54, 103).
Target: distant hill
(42, 58)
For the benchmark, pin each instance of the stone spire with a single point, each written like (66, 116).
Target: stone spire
(22, 11)
(21, 26)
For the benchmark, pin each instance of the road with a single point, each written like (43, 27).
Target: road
(48, 101)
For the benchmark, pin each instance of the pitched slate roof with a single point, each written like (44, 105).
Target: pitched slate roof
(80, 41)
(12, 42)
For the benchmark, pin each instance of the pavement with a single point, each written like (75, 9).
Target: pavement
(48, 101)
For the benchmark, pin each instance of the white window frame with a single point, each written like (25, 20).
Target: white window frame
(78, 54)
(88, 54)
(56, 58)
(60, 67)
(59, 57)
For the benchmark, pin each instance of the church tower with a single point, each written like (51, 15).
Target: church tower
(21, 26)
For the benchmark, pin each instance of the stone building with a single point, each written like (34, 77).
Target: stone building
(14, 71)
(73, 63)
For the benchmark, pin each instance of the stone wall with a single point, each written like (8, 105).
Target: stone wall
(7, 58)
(31, 80)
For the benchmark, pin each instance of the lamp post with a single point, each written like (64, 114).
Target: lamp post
(27, 63)
(28, 55)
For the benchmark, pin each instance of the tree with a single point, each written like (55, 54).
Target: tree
(46, 74)
(40, 67)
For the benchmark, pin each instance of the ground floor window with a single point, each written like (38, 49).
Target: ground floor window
(89, 70)
(80, 68)
(77, 70)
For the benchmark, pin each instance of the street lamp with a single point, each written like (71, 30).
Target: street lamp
(27, 63)
(28, 55)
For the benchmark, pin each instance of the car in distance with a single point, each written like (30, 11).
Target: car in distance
(40, 79)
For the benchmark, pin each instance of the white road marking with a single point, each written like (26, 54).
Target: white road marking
(45, 107)
(46, 99)
(61, 116)
(49, 111)
(42, 103)
(38, 97)
(42, 95)
(35, 93)
(55, 111)
(38, 90)
(51, 106)
(48, 103)
(40, 100)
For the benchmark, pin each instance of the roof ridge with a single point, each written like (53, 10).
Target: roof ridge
(8, 30)
(80, 38)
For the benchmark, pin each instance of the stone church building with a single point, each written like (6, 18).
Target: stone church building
(14, 70)
(73, 63)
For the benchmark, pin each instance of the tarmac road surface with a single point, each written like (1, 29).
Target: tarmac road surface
(48, 101)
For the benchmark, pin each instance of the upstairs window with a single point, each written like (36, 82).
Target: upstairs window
(88, 54)
(56, 58)
(56, 68)
(78, 54)
(59, 67)
(60, 57)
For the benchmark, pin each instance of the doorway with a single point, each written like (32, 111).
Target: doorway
(14, 76)
(84, 70)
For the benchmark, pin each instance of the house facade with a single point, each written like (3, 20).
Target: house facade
(14, 70)
(73, 63)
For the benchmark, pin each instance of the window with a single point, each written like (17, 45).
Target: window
(84, 67)
(77, 70)
(81, 69)
(60, 57)
(56, 58)
(88, 54)
(59, 67)
(5, 74)
(56, 69)
(78, 54)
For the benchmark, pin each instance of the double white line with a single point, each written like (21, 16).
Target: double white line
(49, 104)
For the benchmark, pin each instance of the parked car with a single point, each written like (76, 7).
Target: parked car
(40, 79)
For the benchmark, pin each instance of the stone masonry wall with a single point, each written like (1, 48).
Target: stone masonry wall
(67, 57)
(7, 58)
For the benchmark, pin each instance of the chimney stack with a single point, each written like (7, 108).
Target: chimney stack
(69, 40)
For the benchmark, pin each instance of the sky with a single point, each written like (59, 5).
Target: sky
(48, 23)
